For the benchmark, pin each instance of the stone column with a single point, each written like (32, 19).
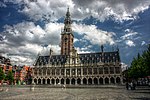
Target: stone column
(75, 81)
(32, 81)
(55, 82)
(41, 81)
(76, 72)
(70, 71)
(104, 81)
(46, 81)
(81, 72)
(37, 81)
(69, 81)
(65, 72)
(81, 81)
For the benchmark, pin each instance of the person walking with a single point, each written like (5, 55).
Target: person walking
(127, 85)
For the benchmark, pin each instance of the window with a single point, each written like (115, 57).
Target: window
(117, 69)
(73, 72)
(48, 71)
(95, 71)
(79, 71)
(67, 71)
(53, 71)
(84, 71)
(106, 70)
(62, 71)
(44, 71)
(35, 72)
(101, 70)
(40, 71)
(89, 71)
(57, 71)
(111, 70)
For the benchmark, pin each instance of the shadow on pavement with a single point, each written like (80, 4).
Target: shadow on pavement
(146, 92)
(141, 98)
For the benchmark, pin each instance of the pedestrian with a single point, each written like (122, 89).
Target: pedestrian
(127, 85)
(131, 85)
(134, 85)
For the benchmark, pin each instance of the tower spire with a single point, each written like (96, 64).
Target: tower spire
(68, 13)
(67, 22)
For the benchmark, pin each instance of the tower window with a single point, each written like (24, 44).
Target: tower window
(65, 39)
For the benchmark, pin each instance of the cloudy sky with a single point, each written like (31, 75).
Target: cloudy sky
(29, 27)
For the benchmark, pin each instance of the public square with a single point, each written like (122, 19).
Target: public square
(109, 92)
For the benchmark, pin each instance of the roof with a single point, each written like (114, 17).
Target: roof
(84, 58)
(54, 59)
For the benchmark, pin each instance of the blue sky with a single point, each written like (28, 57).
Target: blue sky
(27, 25)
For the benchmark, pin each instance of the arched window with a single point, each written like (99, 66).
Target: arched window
(95, 81)
(84, 81)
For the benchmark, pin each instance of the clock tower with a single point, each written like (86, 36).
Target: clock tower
(67, 36)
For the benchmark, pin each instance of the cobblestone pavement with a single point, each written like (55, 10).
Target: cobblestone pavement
(99, 93)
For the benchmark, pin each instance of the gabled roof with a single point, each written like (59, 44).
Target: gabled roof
(99, 57)
(84, 58)
(54, 59)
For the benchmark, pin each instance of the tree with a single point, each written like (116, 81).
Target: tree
(146, 59)
(10, 76)
(140, 66)
(2, 75)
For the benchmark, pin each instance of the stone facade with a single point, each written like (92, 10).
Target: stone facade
(76, 69)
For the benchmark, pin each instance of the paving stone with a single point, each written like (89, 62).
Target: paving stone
(117, 93)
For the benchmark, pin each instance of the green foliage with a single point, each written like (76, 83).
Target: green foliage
(2, 75)
(9, 76)
(140, 66)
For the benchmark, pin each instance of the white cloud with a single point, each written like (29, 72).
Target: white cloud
(51, 10)
(48, 10)
(93, 34)
(143, 43)
(83, 50)
(129, 34)
(129, 43)
(124, 66)
(27, 39)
